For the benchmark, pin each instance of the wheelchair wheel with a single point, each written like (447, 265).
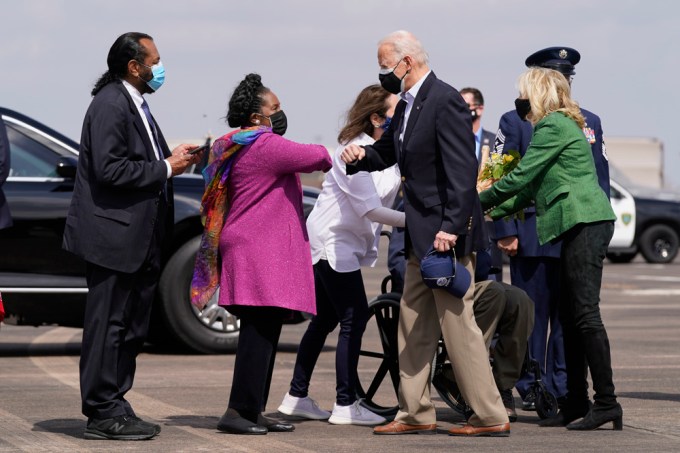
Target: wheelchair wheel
(546, 404)
(445, 384)
(378, 369)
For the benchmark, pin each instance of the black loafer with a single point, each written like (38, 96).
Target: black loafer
(275, 426)
(239, 425)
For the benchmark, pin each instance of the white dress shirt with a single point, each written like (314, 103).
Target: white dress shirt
(409, 97)
(138, 100)
(339, 230)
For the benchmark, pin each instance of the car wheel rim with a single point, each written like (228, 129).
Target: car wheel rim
(216, 317)
(662, 248)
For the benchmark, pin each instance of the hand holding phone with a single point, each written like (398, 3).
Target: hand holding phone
(200, 149)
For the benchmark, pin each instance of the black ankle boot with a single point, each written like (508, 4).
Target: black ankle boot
(569, 412)
(598, 417)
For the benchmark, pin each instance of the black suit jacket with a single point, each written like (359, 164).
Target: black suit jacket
(119, 185)
(438, 167)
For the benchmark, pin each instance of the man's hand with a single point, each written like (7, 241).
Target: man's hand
(352, 153)
(508, 245)
(181, 159)
(443, 242)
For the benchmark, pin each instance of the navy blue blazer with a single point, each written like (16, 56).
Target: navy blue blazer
(118, 187)
(438, 167)
(5, 216)
(515, 134)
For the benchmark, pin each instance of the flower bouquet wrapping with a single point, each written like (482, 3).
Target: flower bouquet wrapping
(495, 166)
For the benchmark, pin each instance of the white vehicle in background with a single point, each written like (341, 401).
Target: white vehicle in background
(648, 222)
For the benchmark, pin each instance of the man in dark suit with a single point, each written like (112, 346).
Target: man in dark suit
(5, 216)
(432, 142)
(534, 267)
(121, 210)
(484, 140)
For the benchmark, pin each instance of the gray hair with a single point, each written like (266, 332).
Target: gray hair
(405, 43)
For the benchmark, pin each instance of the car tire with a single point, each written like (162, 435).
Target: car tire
(214, 330)
(621, 257)
(659, 244)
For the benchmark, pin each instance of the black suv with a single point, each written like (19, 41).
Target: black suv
(43, 284)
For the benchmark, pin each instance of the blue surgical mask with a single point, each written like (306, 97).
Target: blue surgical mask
(386, 124)
(158, 71)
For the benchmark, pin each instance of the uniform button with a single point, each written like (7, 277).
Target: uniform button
(403, 178)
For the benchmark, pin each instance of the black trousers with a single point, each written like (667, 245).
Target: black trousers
(259, 334)
(116, 324)
(340, 299)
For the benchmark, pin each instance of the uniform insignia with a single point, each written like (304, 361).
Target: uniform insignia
(563, 54)
(499, 142)
(590, 134)
(626, 218)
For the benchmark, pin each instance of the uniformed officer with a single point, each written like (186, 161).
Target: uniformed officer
(535, 268)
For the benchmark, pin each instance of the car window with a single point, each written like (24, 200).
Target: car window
(29, 155)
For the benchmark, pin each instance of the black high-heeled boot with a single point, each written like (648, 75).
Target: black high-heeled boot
(598, 417)
(605, 409)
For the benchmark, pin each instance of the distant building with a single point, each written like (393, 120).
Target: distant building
(638, 158)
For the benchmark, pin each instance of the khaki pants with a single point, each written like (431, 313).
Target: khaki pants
(425, 314)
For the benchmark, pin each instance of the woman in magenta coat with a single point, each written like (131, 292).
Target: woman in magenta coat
(253, 216)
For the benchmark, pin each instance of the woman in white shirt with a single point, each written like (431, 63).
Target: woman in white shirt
(344, 231)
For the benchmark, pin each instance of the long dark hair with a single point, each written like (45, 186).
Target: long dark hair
(126, 48)
(370, 100)
(246, 100)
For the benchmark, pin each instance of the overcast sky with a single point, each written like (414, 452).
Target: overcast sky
(317, 55)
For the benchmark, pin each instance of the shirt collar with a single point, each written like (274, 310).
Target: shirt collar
(411, 94)
(134, 94)
(478, 135)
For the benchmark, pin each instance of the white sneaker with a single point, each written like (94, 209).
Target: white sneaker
(354, 414)
(302, 407)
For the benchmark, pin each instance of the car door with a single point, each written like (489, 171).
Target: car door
(39, 197)
(623, 204)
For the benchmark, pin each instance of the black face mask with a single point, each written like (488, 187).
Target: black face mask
(390, 82)
(523, 107)
(279, 122)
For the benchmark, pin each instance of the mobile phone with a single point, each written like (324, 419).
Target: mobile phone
(200, 148)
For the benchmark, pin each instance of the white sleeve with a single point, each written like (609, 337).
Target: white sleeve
(387, 216)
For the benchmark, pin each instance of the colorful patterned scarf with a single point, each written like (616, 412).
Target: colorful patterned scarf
(214, 208)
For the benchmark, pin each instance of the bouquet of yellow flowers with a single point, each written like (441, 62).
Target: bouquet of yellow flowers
(495, 166)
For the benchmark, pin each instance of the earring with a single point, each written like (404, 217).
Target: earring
(257, 121)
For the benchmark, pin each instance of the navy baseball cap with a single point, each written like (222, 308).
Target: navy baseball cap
(443, 271)
(562, 59)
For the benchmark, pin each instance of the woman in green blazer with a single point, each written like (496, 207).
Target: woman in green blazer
(558, 175)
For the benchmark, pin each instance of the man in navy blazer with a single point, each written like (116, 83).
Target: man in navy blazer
(431, 139)
(5, 216)
(121, 210)
(534, 267)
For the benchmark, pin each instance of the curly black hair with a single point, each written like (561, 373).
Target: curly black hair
(126, 48)
(246, 100)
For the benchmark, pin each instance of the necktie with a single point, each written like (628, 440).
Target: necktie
(154, 133)
(152, 126)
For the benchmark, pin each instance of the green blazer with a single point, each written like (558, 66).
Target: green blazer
(557, 173)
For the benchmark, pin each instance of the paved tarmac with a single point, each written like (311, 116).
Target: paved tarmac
(186, 394)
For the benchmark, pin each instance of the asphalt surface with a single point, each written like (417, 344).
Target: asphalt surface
(186, 394)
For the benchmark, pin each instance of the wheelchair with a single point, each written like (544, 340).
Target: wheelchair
(379, 393)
